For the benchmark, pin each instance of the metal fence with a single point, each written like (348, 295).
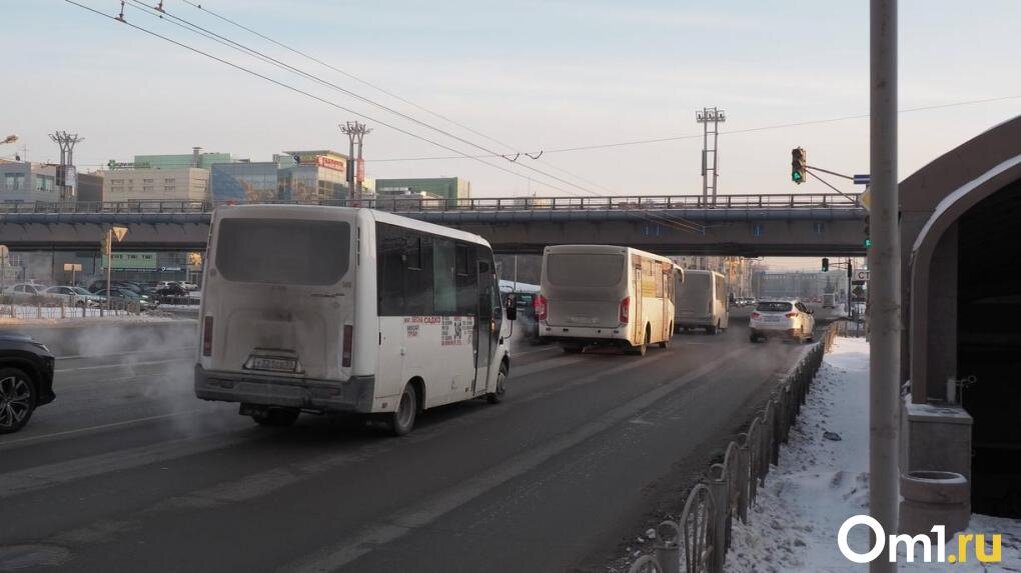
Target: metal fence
(415, 204)
(699, 540)
(42, 309)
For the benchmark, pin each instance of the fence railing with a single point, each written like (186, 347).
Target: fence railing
(698, 541)
(41, 307)
(414, 204)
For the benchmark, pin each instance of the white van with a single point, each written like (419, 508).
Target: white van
(332, 309)
(601, 294)
(702, 302)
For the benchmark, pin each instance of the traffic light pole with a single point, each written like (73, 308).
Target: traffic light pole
(885, 269)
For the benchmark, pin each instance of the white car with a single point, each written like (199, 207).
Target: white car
(188, 286)
(25, 292)
(781, 318)
(74, 296)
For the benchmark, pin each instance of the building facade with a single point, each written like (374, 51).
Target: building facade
(177, 184)
(21, 181)
(450, 188)
(177, 161)
(304, 176)
(90, 187)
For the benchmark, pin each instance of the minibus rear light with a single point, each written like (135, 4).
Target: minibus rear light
(625, 310)
(207, 336)
(345, 360)
(540, 306)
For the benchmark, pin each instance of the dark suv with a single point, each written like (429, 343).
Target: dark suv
(26, 379)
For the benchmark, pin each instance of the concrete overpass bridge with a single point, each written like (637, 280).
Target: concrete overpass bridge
(748, 225)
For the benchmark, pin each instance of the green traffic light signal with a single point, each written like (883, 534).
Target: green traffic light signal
(796, 176)
(868, 242)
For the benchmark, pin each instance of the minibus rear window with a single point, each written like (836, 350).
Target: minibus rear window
(584, 269)
(283, 251)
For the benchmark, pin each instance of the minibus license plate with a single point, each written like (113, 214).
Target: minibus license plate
(274, 364)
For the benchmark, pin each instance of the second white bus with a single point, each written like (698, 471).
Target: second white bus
(331, 310)
(602, 294)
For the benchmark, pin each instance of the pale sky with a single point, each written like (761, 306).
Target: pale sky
(535, 74)
(538, 75)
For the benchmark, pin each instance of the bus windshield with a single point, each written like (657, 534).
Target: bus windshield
(584, 269)
(283, 251)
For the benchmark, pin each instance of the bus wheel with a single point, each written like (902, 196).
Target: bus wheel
(276, 417)
(402, 420)
(501, 378)
(641, 349)
(666, 341)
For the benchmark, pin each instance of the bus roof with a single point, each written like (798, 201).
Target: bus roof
(606, 249)
(323, 212)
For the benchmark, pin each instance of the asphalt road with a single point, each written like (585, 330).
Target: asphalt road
(127, 471)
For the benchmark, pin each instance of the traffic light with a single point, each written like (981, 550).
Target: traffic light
(868, 239)
(799, 165)
(825, 265)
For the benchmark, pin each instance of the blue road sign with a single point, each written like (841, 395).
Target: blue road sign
(862, 179)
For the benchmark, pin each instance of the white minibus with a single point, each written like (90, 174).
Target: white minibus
(334, 309)
(702, 302)
(602, 294)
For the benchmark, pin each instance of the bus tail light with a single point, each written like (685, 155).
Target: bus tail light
(756, 315)
(541, 307)
(207, 336)
(625, 310)
(345, 357)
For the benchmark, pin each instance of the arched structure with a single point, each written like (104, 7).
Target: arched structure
(961, 287)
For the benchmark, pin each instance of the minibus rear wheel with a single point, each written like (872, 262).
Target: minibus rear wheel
(403, 418)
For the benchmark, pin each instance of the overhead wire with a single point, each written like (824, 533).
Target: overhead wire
(307, 93)
(209, 34)
(672, 220)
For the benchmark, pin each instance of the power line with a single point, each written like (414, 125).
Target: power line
(731, 132)
(311, 95)
(273, 61)
(380, 89)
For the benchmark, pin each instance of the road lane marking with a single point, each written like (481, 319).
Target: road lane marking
(5, 443)
(126, 353)
(59, 473)
(129, 364)
(422, 514)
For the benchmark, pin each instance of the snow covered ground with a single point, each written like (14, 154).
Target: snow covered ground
(821, 482)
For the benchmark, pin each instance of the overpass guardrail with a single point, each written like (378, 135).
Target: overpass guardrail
(413, 204)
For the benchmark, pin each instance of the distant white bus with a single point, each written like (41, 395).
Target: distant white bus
(601, 294)
(331, 309)
(702, 302)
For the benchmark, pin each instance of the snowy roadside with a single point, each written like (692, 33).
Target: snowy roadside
(821, 482)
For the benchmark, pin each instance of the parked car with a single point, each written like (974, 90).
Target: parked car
(26, 379)
(124, 295)
(188, 286)
(73, 296)
(25, 292)
(171, 289)
(781, 318)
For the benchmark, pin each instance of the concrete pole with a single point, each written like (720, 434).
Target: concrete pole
(884, 264)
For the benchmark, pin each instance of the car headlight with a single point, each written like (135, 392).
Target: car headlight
(41, 346)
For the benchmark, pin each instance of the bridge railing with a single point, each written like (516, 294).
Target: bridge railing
(420, 204)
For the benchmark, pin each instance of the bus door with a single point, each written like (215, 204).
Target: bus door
(667, 313)
(490, 319)
(637, 326)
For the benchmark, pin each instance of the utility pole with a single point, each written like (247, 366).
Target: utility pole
(884, 266)
(65, 172)
(706, 116)
(355, 132)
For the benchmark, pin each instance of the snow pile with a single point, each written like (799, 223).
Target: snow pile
(822, 481)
